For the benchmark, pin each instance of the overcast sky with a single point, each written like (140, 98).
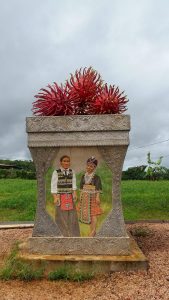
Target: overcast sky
(126, 41)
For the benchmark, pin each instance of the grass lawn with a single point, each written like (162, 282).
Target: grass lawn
(141, 199)
(145, 199)
(17, 200)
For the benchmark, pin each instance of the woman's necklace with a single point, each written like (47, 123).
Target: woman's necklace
(88, 177)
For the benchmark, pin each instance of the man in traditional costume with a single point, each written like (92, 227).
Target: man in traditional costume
(63, 188)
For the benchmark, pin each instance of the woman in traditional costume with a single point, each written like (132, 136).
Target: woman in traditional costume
(63, 188)
(90, 189)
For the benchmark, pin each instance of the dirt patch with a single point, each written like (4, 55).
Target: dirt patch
(150, 285)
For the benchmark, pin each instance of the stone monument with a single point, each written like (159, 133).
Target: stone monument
(110, 134)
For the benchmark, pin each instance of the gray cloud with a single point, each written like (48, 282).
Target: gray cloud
(126, 41)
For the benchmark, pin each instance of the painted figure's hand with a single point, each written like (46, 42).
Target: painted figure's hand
(57, 199)
(98, 199)
(74, 196)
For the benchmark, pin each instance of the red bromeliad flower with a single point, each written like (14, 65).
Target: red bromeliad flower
(84, 87)
(110, 101)
(53, 102)
(84, 94)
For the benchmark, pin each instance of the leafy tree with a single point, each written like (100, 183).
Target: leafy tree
(166, 174)
(134, 173)
(154, 169)
(19, 169)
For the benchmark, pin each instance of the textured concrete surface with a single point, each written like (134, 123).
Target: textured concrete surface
(71, 139)
(110, 134)
(76, 123)
(93, 263)
(76, 245)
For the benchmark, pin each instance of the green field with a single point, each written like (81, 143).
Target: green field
(17, 199)
(141, 199)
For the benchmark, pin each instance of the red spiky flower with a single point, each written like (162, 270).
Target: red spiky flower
(110, 101)
(53, 102)
(84, 93)
(84, 87)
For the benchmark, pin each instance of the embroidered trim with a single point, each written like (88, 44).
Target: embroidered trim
(85, 208)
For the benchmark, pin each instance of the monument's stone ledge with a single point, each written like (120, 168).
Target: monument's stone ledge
(78, 123)
(70, 139)
(79, 246)
(79, 131)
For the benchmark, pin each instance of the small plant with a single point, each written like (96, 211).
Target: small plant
(80, 276)
(141, 231)
(83, 94)
(154, 170)
(27, 273)
(17, 269)
(59, 274)
(6, 273)
(67, 273)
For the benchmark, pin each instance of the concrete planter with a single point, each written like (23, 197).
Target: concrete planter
(110, 134)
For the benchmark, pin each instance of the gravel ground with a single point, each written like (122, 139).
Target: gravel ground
(153, 284)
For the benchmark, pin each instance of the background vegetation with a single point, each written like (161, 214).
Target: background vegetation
(26, 170)
(17, 199)
(142, 199)
(19, 169)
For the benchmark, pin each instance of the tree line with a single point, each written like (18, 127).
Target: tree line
(25, 169)
(140, 173)
(152, 171)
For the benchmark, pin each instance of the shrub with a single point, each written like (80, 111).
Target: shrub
(154, 169)
(27, 273)
(67, 273)
(19, 169)
(134, 173)
(60, 273)
(141, 231)
(17, 269)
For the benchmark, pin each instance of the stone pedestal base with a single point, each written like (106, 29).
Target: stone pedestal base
(79, 246)
(97, 264)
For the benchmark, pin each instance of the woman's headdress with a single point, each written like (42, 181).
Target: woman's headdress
(92, 160)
